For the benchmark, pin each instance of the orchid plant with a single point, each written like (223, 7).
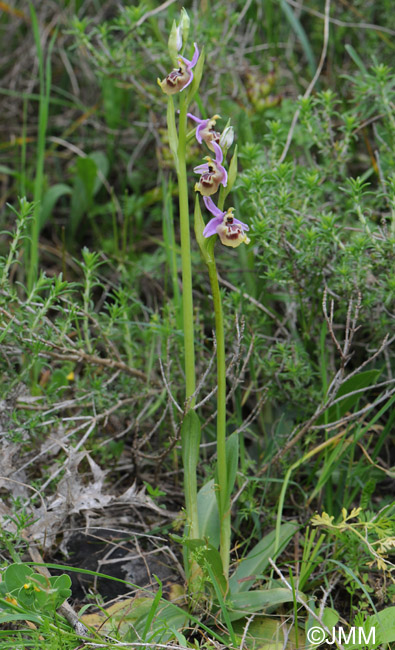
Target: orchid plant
(182, 83)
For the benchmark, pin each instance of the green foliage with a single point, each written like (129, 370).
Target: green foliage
(361, 544)
(82, 338)
(22, 587)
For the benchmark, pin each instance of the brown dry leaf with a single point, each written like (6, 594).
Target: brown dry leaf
(73, 495)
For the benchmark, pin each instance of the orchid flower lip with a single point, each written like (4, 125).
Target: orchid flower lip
(179, 79)
(205, 129)
(225, 225)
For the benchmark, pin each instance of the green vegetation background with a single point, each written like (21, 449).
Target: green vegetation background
(89, 276)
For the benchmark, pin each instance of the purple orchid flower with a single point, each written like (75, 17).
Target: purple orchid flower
(212, 173)
(230, 230)
(181, 77)
(205, 130)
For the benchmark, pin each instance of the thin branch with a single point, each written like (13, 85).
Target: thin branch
(309, 90)
(254, 302)
(342, 23)
(167, 386)
(153, 12)
(357, 414)
(302, 602)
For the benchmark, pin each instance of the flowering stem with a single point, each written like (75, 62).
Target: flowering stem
(222, 472)
(190, 433)
(189, 344)
(191, 442)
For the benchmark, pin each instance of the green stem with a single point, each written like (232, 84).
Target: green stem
(189, 343)
(44, 68)
(178, 148)
(222, 471)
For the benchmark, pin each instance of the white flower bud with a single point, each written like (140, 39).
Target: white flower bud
(227, 137)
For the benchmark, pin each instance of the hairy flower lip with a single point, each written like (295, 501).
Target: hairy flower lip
(205, 130)
(180, 78)
(212, 173)
(230, 230)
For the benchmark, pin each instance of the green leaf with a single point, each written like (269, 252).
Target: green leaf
(384, 622)
(113, 96)
(330, 617)
(4, 169)
(257, 560)
(378, 629)
(232, 173)
(357, 60)
(224, 609)
(129, 618)
(208, 513)
(62, 586)
(256, 601)
(167, 616)
(86, 171)
(300, 33)
(172, 131)
(190, 441)
(50, 198)
(232, 460)
(102, 166)
(150, 616)
(206, 553)
(6, 618)
(267, 633)
(16, 575)
(60, 582)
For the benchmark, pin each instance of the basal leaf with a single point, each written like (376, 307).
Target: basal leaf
(208, 513)
(243, 603)
(257, 560)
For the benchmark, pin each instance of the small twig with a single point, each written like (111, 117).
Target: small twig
(77, 355)
(247, 625)
(81, 355)
(205, 374)
(326, 592)
(390, 472)
(309, 90)
(253, 414)
(153, 12)
(342, 23)
(168, 389)
(255, 302)
(303, 603)
(353, 416)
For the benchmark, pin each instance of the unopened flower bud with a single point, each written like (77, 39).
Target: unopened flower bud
(175, 41)
(184, 25)
(227, 137)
